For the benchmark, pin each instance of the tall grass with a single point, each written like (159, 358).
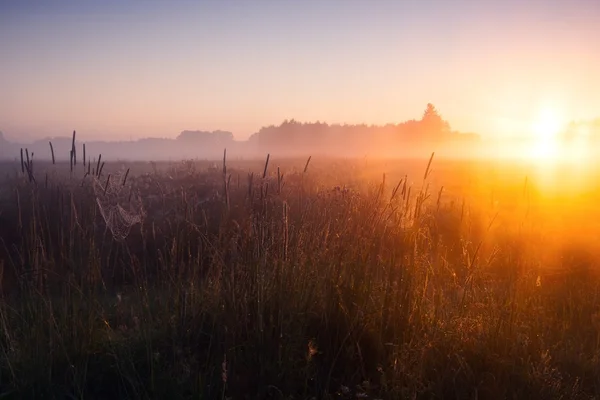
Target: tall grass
(283, 287)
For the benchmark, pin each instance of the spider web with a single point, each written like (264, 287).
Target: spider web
(120, 208)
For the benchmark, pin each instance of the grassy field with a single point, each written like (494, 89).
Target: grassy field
(288, 279)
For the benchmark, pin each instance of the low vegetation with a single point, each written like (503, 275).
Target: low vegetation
(292, 281)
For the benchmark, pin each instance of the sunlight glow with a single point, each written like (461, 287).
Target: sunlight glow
(580, 146)
(546, 128)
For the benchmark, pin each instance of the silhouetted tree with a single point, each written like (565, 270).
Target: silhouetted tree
(432, 122)
(290, 136)
(206, 137)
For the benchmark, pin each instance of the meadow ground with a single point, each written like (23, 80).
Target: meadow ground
(292, 280)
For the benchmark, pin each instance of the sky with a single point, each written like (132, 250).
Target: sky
(129, 69)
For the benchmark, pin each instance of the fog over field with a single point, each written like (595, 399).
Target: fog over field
(411, 139)
(290, 138)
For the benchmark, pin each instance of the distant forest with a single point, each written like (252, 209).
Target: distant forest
(290, 138)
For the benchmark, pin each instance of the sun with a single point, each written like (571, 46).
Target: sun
(545, 128)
